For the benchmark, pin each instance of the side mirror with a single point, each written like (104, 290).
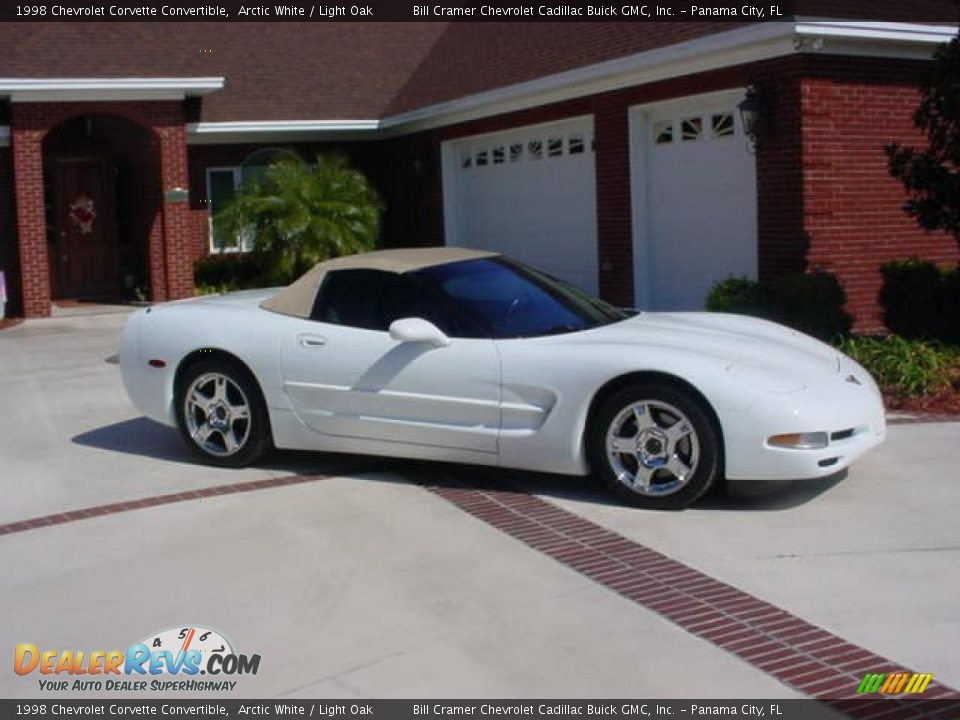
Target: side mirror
(417, 330)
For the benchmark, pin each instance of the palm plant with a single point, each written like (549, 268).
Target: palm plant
(300, 214)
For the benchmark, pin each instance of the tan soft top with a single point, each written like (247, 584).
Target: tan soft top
(297, 299)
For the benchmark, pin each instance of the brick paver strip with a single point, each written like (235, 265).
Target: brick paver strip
(801, 655)
(154, 501)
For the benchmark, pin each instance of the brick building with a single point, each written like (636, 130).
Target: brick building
(612, 154)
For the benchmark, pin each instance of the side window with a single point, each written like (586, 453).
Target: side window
(353, 298)
(373, 299)
(408, 296)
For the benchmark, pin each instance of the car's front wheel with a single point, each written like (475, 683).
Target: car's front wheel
(221, 414)
(655, 446)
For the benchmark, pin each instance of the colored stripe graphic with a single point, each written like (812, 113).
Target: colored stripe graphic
(904, 683)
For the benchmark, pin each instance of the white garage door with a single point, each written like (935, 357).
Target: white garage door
(528, 193)
(694, 191)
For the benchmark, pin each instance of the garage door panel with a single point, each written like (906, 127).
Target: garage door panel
(696, 216)
(529, 193)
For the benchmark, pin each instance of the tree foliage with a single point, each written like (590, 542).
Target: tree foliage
(931, 175)
(300, 214)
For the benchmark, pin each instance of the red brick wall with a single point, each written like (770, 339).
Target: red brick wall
(173, 233)
(852, 207)
(179, 225)
(26, 144)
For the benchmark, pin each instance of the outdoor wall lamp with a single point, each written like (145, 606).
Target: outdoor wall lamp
(752, 113)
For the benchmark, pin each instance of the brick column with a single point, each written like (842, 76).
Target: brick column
(178, 223)
(614, 220)
(26, 143)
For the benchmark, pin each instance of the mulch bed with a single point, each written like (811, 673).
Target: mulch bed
(943, 403)
(9, 322)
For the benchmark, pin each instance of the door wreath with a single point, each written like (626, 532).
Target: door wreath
(83, 213)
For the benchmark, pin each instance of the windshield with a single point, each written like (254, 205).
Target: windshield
(503, 299)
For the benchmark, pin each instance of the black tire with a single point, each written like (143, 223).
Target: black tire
(699, 449)
(251, 436)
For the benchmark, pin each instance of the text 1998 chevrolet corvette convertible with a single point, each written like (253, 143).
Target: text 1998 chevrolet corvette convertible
(466, 356)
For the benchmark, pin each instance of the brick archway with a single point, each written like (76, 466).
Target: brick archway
(166, 249)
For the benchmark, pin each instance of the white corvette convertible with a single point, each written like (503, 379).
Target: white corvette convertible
(470, 357)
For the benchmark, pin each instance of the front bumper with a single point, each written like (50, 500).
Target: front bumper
(851, 413)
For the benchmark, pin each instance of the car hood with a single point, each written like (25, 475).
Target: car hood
(740, 342)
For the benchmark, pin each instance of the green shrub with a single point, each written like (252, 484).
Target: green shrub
(300, 214)
(915, 299)
(229, 272)
(737, 295)
(902, 366)
(810, 302)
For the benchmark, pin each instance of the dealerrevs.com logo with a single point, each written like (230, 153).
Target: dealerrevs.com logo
(183, 653)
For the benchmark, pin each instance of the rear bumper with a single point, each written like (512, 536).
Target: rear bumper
(149, 388)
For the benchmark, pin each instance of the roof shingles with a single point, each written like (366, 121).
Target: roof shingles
(349, 70)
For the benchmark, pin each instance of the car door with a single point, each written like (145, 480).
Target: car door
(346, 377)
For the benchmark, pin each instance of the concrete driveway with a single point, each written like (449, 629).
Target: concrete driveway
(364, 577)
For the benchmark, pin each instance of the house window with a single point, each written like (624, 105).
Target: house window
(575, 144)
(481, 158)
(222, 184)
(555, 147)
(722, 124)
(516, 152)
(535, 149)
(498, 155)
(466, 161)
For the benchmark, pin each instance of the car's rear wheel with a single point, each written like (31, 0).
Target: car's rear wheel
(221, 414)
(655, 446)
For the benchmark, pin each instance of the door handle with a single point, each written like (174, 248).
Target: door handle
(311, 341)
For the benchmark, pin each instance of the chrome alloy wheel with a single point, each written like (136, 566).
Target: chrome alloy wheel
(652, 448)
(217, 414)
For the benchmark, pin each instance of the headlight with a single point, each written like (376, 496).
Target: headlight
(799, 441)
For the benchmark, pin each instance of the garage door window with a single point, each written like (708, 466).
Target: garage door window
(691, 129)
(663, 132)
(531, 150)
(722, 125)
(714, 126)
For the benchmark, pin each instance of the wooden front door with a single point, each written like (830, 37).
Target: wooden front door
(83, 252)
